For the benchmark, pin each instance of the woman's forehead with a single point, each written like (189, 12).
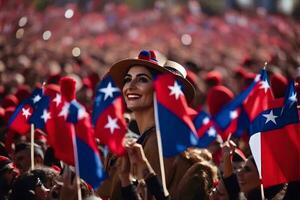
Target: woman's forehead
(138, 69)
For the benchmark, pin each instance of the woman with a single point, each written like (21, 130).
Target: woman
(135, 78)
(249, 183)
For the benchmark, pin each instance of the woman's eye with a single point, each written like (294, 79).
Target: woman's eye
(143, 80)
(126, 80)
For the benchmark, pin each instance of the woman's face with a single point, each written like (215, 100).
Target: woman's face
(138, 88)
(248, 177)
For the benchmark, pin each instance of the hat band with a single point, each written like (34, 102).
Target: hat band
(174, 71)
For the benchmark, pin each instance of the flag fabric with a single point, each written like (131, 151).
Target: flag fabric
(37, 118)
(275, 143)
(20, 119)
(237, 115)
(258, 98)
(90, 166)
(108, 116)
(206, 131)
(54, 112)
(173, 116)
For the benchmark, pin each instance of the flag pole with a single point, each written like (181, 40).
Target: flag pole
(77, 177)
(265, 65)
(262, 193)
(32, 145)
(159, 145)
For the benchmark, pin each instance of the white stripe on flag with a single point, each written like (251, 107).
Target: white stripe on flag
(255, 146)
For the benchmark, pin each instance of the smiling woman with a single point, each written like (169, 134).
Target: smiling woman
(135, 79)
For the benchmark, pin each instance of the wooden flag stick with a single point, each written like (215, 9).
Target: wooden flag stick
(262, 193)
(265, 65)
(32, 145)
(159, 145)
(76, 166)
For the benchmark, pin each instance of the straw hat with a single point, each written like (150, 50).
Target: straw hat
(148, 59)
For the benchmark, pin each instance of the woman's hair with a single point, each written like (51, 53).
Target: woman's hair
(47, 175)
(197, 181)
(24, 187)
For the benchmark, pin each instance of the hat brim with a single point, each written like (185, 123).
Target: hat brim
(119, 70)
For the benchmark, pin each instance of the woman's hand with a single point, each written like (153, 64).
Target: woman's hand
(227, 152)
(138, 161)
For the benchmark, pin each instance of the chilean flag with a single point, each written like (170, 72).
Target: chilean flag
(258, 98)
(90, 166)
(59, 130)
(275, 144)
(19, 121)
(237, 115)
(172, 116)
(205, 129)
(108, 116)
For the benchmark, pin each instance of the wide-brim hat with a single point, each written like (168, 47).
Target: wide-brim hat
(148, 59)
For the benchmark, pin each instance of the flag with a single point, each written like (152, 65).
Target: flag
(236, 116)
(275, 143)
(258, 98)
(59, 130)
(108, 116)
(206, 131)
(19, 121)
(90, 166)
(172, 116)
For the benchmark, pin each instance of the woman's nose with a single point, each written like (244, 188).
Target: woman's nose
(132, 84)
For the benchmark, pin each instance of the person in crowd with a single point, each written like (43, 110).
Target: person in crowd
(8, 174)
(22, 156)
(135, 78)
(29, 186)
(65, 187)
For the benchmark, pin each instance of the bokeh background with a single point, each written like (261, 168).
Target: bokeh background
(220, 42)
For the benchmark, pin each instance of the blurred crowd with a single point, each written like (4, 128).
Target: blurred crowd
(40, 47)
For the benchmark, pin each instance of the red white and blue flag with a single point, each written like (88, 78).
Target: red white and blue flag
(275, 143)
(205, 129)
(108, 116)
(19, 121)
(89, 164)
(172, 116)
(237, 115)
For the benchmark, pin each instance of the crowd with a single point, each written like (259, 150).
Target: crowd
(221, 55)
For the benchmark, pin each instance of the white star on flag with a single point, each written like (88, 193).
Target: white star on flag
(26, 112)
(57, 99)
(265, 85)
(64, 111)
(205, 121)
(108, 91)
(175, 90)
(270, 117)
(46, 115)
(211, 132)
(293, 98)
(36, 98)
(111, 124)
(233, 114)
